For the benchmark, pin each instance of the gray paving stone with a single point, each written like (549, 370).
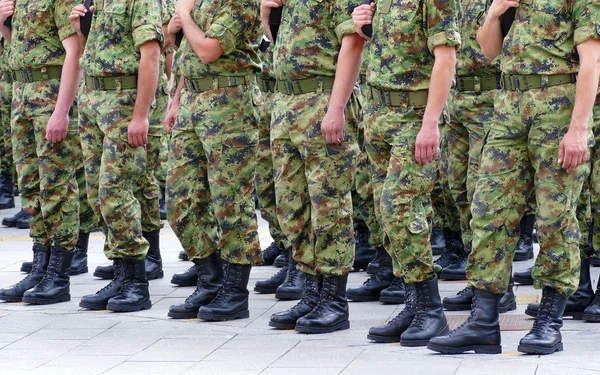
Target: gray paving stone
(149, 368)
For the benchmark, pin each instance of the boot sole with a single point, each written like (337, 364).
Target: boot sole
(104, 276)
(157, 275)
(11, 299)
(372, 270)
(282, 325)
(9, 225)
(452, 277)
(183, 257)
(279, 264)
(523, 281)
(43, 301)
(265, 290)
(423, 342)
(288, 296)
(391, 300)
(456, 307)
(25, 270)
(531, 349)
(7, 207)
(385, 339)
(575, 315)
(80, 271)
(183, 283)
(92, 306)
(338, 327)
(125, 308)
(591, 318)
(221, 317)
(22, 226)
(478, 349)
(511, 307)
(521, 258)
(178, 315)
(362, 298)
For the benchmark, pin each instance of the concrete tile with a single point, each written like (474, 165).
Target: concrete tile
(225, 368)
(303, 371)
(150, 368)
(84, 365)
(306, 355)
(178, 350)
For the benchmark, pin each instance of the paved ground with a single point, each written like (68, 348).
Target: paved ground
(64, 339)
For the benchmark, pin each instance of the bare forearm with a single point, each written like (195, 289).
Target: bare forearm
(177, 96)
(207, 49)
(585, 93)
(439, 86)
(6, 32)
(348, 68)
(490, 37)
(147, 81)
(69, 84)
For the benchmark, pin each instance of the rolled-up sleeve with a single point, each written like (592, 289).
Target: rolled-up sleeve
(442, 24)
(146, 22)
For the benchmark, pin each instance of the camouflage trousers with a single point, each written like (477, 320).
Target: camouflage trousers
(159, 156)
(115, 172)
(210, 179)
(46, 170)
(7, 168)
(518, 158)
(264, 181)
(595, 180)
(363, 202)
(445, 211)
(470, 114)
(402, 188)
(313, 181)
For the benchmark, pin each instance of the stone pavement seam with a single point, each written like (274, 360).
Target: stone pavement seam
(281, 356)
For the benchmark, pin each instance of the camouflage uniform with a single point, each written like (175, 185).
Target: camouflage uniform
(313, 179)
(445, 213)
(6, 160)
(213, 146)
(521, 150)
(46, 170)
(115, 171)
(471, 106)
(595, 180)
(265, 184)
(402, 188)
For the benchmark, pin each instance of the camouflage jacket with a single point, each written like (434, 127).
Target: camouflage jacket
(4, 55)
(544, 36)
(310, 37)
(405, 33)
(471, 61)
(267, 62)
(38, 29)
(119, 28)
(236, 25)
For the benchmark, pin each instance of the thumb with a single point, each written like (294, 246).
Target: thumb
(561, 151)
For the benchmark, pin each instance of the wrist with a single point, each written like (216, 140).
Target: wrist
(336, 109)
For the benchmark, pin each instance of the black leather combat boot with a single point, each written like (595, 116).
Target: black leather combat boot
(524, 248)
(371, 289)
(373, 266)
(457, 270)
(187, 278)
(429, 320)
(11, 221)
(26, 266)
(454, 248)
(7, 200)
(310, 297)
(395, 293)
(545, 337)
(331, 312)
(578, 301)
(162, 204)
(364, 252)
(271, 284)
(183, 256)
(464, 299)
(293, 285)
(280, 261)
(79, 264)
(524, 277)
(153, 259)
(231, 301)
(134, 294)
(271, 253)
(480, 333)
(99, 300)
(54, 287)
(210, 278)
(437, 241)
(41, 257)
(392, 331)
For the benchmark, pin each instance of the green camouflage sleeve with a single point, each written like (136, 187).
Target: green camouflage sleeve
(230, 21)
(168, 9)
(586, 15)
(146, 22)
(342, 17)
(441, 23)
(62, 10)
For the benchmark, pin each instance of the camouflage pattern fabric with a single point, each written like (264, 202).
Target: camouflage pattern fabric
(445, 212)
(210, 180)
(264, 181)
(521, 153)
(113, 169)
(402, 188)
(313, 181)
(7, 167)
(46, 170)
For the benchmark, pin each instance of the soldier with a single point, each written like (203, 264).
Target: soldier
(314, 133)
(406, 104)
(44, 53)
(120, 66)
(539, 138)
(212, 154)
(288, 282)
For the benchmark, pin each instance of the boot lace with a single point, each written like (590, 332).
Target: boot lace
(465, 291)
(200, 284)
(409, 308)
(323, 301)
(543, 319)
(52, 272)
(117, 272)
(421, 308)
(227, 286)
